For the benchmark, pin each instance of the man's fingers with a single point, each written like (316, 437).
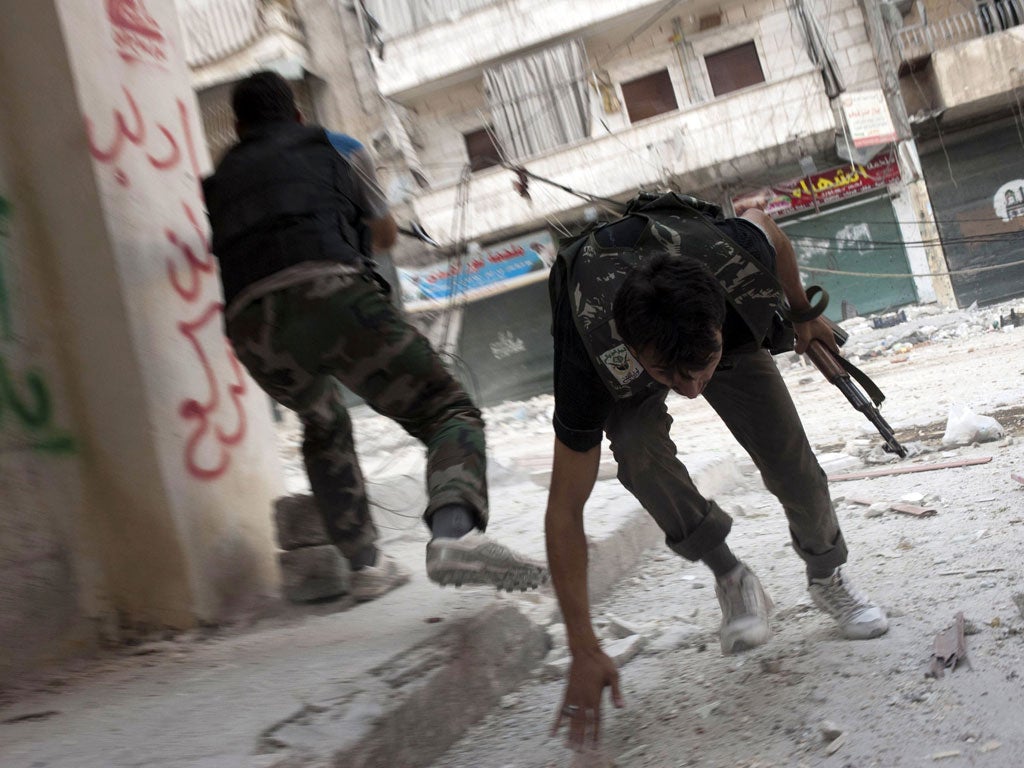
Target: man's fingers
(594, 721)
(577, 730)
(617, 699)
(558, 723)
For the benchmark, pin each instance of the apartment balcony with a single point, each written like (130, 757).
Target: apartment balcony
(968, 64)
(464, 36)
(719, 141)
(227, 39)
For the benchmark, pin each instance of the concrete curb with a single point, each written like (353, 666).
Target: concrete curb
(419, 703)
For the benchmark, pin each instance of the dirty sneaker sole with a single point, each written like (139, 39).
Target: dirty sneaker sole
(454, 564)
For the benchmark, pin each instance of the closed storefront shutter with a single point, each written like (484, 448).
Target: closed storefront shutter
(976, 182)
(506, 342)
(863, 237)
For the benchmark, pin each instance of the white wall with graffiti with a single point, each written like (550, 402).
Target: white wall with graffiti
(137, 459)
(40, 472)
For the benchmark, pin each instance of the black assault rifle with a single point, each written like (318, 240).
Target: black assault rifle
(839, 371)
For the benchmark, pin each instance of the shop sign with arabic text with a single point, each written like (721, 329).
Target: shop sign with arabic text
(818, 189)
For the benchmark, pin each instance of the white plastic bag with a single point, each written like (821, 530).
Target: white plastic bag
(964, 427)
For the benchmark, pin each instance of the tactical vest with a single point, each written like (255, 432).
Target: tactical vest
(676, 225)
(280, 197)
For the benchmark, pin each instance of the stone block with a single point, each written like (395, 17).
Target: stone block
(298, 522)
(313, 573)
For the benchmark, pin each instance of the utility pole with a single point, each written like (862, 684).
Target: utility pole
(881, 40)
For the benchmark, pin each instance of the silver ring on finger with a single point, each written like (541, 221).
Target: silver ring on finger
(570, 710)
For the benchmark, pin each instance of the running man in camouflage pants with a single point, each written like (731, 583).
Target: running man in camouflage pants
(305, 325)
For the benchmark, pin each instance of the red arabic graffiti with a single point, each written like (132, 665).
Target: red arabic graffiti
(195, 411)
(198, 266)
(136, 34)
(216, 420)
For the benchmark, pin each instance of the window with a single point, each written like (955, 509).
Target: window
(649, 95)
(541, 101)
(734, 68)
(481, 149)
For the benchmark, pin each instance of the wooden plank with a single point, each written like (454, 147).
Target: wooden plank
(913, 509)
(909, 469)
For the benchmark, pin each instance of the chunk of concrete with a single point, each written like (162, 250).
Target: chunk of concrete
(313, 573)
(675, 637)
(298, 522)
(620, 628)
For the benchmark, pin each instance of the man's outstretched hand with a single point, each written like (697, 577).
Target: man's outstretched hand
(590, 673)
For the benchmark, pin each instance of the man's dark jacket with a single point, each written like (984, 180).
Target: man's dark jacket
(282, 196)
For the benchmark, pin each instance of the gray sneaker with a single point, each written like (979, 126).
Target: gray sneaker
(371, 582)
(476, 559)
(745, 611)
(857, 616)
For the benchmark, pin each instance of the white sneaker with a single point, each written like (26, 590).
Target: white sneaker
(745, 611)
(372, 581)
(857, 616)
(476, 559)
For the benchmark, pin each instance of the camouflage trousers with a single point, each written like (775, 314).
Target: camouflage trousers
(302, 342)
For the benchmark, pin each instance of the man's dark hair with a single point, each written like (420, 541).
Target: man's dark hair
(671, 308)
(263, 97)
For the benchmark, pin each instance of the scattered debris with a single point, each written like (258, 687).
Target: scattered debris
(889, 320)
(1012, 320)
(964, 427)
(947, 754)
(30, 717)
(910, 469)
(675, 637)
(836, 744)
(914, 510)
(622, 651)
(704, 712)
(971, 574)
(631, 753)
(830, 731)
(990, 746)
(1018, 476)
(619, 628)
(1018, 600)
(950, 649)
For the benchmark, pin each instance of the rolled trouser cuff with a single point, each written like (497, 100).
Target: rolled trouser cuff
(710, 533)
(833, 558)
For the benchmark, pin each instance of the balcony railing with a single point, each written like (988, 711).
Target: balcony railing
(216, 29)
(921, 40)
(698, 145)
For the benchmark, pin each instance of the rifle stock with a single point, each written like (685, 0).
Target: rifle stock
(825, 361)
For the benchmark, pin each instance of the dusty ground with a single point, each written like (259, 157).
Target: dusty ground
(689, 706)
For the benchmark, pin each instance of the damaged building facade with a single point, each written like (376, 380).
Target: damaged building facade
(741, 103)
(961, 74)
(873, 132)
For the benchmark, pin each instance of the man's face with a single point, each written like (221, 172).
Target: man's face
(686, 382)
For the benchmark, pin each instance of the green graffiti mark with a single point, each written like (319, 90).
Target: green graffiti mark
(31, 407)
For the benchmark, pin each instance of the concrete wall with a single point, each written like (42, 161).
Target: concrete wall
(156, 510)
(41, 488)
